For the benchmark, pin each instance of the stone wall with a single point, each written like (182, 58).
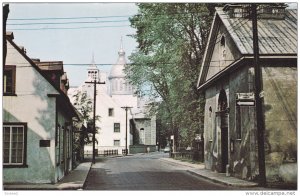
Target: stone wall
(280, 100)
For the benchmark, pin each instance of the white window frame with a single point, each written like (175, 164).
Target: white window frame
(11, 126)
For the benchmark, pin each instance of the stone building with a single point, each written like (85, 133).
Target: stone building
(227, 79)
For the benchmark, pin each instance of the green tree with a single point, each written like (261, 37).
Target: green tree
(171, 40)
(84, 106)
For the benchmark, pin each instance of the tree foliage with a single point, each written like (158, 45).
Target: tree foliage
(171, 40)
(84, 106)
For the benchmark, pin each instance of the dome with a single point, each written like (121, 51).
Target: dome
(117, 77)
(117, 70)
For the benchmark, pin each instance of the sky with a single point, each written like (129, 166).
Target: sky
(71, 42)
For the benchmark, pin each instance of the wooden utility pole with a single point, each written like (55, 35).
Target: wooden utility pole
(5, 16)
(258, 100)
(94, 117)
(126, 109)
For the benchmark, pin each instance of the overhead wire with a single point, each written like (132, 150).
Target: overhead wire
(211, 44)
(59, 23)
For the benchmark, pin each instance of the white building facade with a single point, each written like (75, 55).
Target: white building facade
(113, 94)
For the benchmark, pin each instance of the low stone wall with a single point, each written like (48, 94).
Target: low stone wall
(134, 149)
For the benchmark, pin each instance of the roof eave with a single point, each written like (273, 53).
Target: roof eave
(236, 64)
(208, 51)
(61, 93)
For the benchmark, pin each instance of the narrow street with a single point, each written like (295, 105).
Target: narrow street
(145, 172)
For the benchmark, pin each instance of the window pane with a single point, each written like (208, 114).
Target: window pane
(6, 137)
(110, 112)
(116, 142)
(8, 82)
(19, 156)
(116, 127)
(6, 155)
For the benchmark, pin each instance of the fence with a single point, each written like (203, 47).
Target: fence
(193, 155)
(102, 152)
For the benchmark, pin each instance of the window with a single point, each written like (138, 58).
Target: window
(238, 123)
(222, 42)
(110, 112)
(57, 145)
(116, 127)
(116, 142)
(14, 144)
(61, 145)
(9, 80)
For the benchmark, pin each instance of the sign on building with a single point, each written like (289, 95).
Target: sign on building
(245, 99)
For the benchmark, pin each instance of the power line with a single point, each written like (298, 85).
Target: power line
(68, 28)
(70, 18)
(58, 23)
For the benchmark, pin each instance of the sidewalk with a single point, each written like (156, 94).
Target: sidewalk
(73, 181)
(199, 170)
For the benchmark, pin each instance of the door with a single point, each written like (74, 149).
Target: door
(224, 148)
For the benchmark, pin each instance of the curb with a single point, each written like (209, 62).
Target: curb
(228, 180)
(214, 179)
(84, 183)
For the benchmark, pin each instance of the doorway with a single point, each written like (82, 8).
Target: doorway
(224, 148)
(223, 109)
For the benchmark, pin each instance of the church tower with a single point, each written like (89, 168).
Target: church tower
(93, 72)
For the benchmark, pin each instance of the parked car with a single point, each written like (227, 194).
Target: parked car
(167, 149)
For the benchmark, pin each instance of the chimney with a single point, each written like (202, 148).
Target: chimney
(264, 11)
(9, 35)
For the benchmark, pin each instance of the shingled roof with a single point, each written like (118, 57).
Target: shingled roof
(275, 36)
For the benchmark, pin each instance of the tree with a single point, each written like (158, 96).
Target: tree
(84, 106)
(171, 40)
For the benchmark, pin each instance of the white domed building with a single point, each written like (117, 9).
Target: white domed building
(113, 94)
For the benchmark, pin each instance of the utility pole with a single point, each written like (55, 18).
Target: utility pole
(258, 100)
(94, 117)
(126, 109)
(5, 10)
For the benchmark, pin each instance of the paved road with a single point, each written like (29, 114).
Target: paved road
(144, 172)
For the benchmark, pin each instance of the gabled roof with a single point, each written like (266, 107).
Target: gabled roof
(277, 37)
(61, 94)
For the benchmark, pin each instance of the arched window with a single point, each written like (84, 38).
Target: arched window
(222, 101)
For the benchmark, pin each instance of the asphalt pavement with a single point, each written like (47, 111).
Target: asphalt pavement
(139, 167)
